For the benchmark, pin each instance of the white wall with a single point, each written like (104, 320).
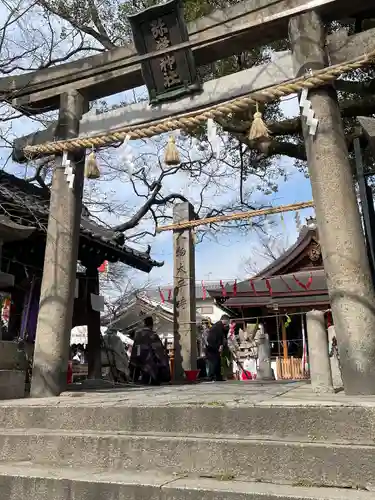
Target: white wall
(209, 309)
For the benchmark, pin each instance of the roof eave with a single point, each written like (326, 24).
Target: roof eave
(15, 186)
(144, 265)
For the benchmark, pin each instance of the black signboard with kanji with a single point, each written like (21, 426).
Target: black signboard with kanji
(172, 75)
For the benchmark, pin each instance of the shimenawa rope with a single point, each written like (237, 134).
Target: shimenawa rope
(237, 216)
(194, 119)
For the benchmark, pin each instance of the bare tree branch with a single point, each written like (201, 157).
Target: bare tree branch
(144, 209)
(62, 10)
(267, 250)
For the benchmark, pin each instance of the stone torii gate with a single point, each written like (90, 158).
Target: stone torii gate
(69, 88)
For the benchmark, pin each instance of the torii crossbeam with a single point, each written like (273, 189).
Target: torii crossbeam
(219, 35)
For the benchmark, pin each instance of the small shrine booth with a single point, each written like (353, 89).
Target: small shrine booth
(278, 298)
(26, 207)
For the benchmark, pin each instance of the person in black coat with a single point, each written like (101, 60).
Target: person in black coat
(216, 340)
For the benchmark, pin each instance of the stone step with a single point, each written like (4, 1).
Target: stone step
(308, 421)
(12, 384)
(27, 480)
(257, 459)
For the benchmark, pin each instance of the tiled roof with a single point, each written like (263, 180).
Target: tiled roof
(276, 267)
(132, 315)
(28, 204)
(285, 290)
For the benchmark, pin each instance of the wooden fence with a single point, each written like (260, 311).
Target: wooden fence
(290, 369)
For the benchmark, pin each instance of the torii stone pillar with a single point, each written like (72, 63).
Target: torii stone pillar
(184, 303)
(340, 231)
(319, 362)
(51, 352)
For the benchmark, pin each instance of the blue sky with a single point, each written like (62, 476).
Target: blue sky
(233, 250)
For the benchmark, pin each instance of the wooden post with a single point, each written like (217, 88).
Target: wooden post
(278, 334)
(93, 326)
(51, 353)
(184, 303)
(341, 236)
(367, 205)
(285, 341)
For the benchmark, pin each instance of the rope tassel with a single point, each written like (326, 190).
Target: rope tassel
(91, 167)
(258, 130)
(171, 155)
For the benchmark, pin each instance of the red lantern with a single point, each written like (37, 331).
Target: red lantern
(103, 268)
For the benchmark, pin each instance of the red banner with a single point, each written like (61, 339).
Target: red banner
(223, 291)
(268, 285)
(286, 284)
(306, 285)
(204, 291)
(253, 287)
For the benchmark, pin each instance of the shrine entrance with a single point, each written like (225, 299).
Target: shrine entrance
(168, 52)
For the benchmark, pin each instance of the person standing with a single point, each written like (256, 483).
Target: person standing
(216, 341)
(202, 360)
(149, 357)
(206, 325)
(227, 353)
